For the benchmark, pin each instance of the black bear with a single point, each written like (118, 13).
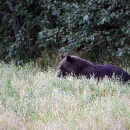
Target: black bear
(78, 66)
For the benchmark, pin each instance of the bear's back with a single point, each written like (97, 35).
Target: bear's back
(110, 70)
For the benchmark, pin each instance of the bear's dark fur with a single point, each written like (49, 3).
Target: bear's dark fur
(78, 66)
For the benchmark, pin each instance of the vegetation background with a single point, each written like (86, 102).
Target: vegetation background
(98, 30)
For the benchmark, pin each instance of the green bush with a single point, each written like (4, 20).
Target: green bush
(96, 29)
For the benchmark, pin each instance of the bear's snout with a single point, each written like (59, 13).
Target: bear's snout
(62, 74)
(59, 74)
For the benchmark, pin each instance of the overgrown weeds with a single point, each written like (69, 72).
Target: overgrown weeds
(33, 99)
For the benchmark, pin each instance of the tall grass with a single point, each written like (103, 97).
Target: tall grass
(31, 99)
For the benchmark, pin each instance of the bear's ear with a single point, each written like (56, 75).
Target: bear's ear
(69, 59)
(62, 56)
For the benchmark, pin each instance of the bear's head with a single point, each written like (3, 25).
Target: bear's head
(75, 66)
(65, 67)
(68, 65)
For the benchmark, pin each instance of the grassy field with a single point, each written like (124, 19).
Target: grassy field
(31, 99)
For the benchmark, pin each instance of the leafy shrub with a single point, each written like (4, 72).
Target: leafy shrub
(97, 30)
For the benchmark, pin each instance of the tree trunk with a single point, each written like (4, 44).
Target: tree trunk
(15, 19)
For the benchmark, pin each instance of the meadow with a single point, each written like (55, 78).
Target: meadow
(33, 99)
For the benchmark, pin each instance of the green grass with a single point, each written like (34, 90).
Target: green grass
(31, 99)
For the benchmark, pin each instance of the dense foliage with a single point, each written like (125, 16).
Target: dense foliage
(96, 29)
